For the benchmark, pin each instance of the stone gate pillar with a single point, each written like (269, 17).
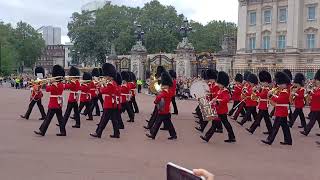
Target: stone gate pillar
(138, 60)
(185, 54)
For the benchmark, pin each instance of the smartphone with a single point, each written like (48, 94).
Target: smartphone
(175, 172)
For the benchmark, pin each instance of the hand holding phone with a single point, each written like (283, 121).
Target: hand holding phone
(175, 172)
(203, 173)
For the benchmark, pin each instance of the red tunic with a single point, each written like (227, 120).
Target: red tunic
(85, 92)
(223, 97)
(109, 93)
(74, 88)
(132, 86)
(164, 96)
(125, 92)
(299, 98)
(315, 100)
(282, 103)
(56, 91)
(214, 88)
(118, 96)
(173, 89)
(249, 102)
(263, 96)
(36, 93)
(93, 90)
(236, 95)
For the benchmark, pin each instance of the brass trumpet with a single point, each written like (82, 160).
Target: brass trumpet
(273, 92)
(154, 86)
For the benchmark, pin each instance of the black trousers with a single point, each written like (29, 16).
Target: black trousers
(166, 120)
(298, 112)
(241, 108)
(250, 111)
(134, 104)
(153, 117)
(72, 106)
(280, 121)
(174, 104)
(314, 116)
(119, 119)
(45, 124)
(233, 109)
(272, 112)
(95, 105)
(87, 110)
(108, 114)
(139, 88)
(226, 124)
(127, 107)
(31, 105)
(101, 100)
(265, 115)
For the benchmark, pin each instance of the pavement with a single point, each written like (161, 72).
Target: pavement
(23, 155)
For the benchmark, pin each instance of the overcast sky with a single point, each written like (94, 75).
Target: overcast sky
(58, 12)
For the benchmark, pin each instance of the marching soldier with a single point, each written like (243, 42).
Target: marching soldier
(221, 102)
(126, 96)
(73, 85)
(55, 102)
(242, 104)
(289, 74)
(119, 100)
(262, 96)
(85, 96)
(163, 100)
(94, 92)
(236, 94)
(251, 104)
(297, 98)
(108, 90)
(36, 95)
(173, 90)
(280, 99)
(313, 99)
(133, 87)
(214, 88)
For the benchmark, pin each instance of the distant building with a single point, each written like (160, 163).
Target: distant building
(94, 5)
(68, 54)
(51, 35)
(52, 55)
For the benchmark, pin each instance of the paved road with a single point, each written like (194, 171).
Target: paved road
(134, 157)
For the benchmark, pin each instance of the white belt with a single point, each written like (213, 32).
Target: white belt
(263, 99)
(92, 89)
(107, 95)
(282, 105)
(55, 96)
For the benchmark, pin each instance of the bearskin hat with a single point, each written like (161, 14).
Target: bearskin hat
(265, 76)
(132, 77)
(86, 76)
(166, 79)
(100, 72)
(212, 74)
(223, 78)
(288, 73)
(95, 72)
(282, 78)
(204, 75)
(245, 75)
(57, 70)
(238, 78)
(160, 70)
(299, 79)
(73, 71)
(39, 70)
(252, 78)
(119, 78)
(173, 74)
(317, 76)
(125, 76)
(109, 70)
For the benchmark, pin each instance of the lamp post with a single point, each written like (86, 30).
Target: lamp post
(139, 33)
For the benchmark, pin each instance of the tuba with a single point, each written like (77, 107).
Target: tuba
(199, 90)
(155, 86)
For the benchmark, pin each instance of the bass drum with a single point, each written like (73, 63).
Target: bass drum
(199, 89)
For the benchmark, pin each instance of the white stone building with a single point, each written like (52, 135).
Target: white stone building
(278, 33)
(51, 35)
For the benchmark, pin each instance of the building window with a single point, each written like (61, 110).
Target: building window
(279, 61)
(311, 41)
(282, 42)
(266, 42)
(309, 61)
(283, 15)
(312, 13)
(267, 16)
(252, 43)
(253, 18)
